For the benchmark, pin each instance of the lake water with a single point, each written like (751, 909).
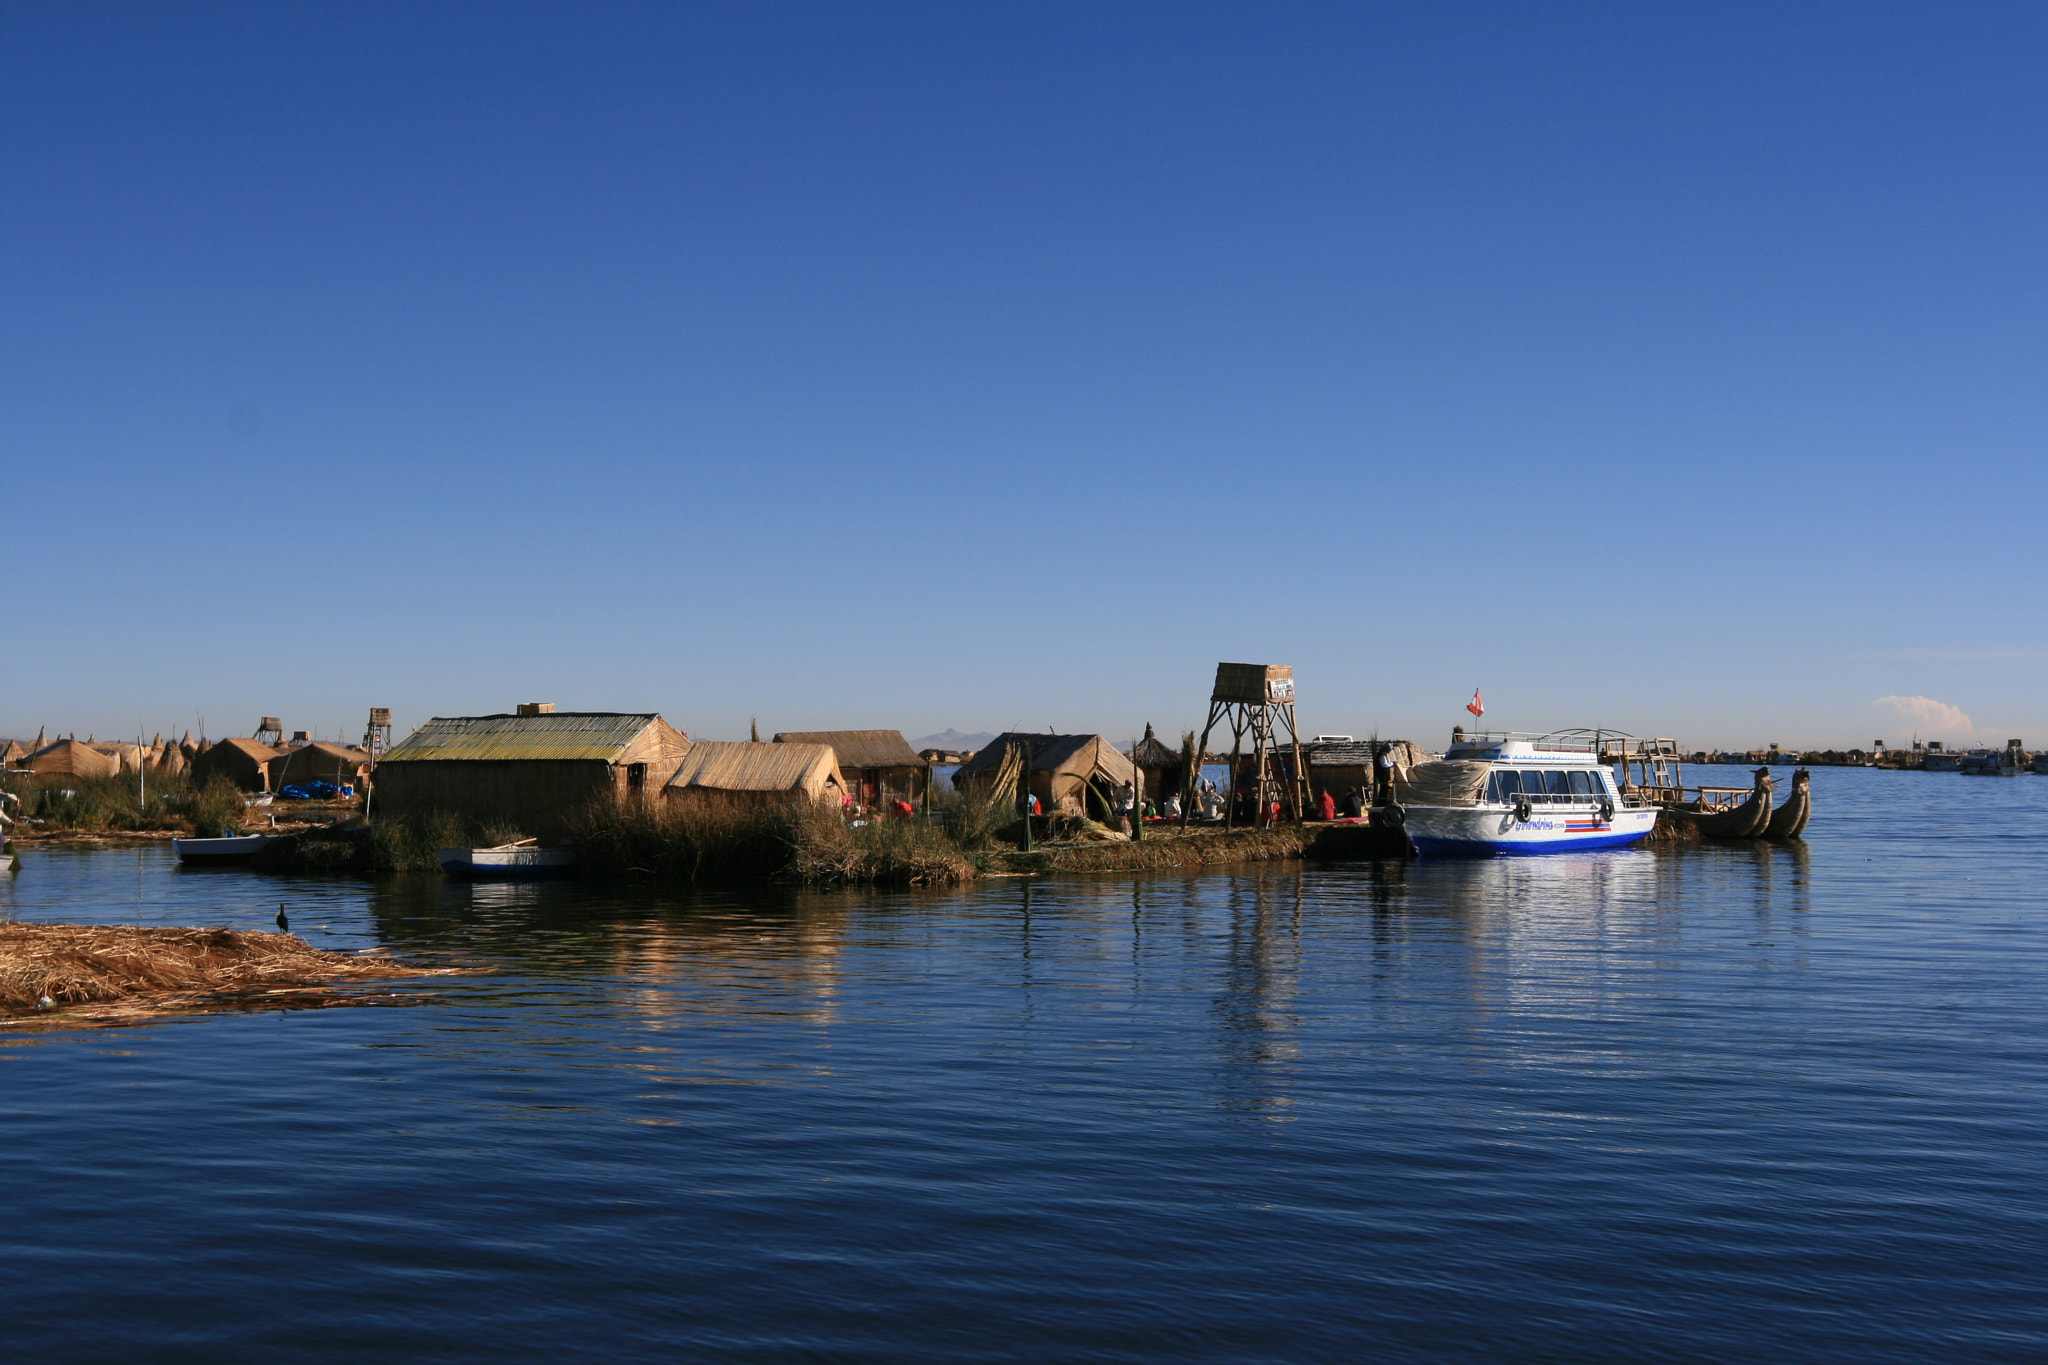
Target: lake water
(1769, 1103)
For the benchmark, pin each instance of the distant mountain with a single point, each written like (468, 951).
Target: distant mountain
(952, 739)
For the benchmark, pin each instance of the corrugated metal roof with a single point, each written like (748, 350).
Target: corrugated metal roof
(860, 748)
(743, 766)
(562, 735)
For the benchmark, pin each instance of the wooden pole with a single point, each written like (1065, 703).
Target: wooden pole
(1024, 794)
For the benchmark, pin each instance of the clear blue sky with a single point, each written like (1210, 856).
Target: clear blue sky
(1672, 368)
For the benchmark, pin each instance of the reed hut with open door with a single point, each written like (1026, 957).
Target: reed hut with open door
(749, 772)
(535, 769)
(1062, 768)
(244, 762)
(878, 766)
(319, 761)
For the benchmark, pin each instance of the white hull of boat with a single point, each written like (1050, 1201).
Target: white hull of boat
(1495, 830)
(507, 862)
(211, 852)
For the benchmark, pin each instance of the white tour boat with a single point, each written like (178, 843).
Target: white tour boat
(1518, 793)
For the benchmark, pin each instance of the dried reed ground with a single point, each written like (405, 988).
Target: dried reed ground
(88, 964)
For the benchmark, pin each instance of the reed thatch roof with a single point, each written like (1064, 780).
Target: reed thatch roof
(750, 766)
(561, 735)
(860, 748)
(1150, 753)
(15, 750)
(70, 758)
(1082, 756)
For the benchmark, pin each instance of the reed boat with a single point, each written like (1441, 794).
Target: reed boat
(1713, 814)
(1517, 794)
(525, 858)
(237, 848)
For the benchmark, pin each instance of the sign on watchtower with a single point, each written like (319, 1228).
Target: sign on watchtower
(1256, 701)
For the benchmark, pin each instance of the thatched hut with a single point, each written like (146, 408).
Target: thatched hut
(244, 762)
(747, 770)
(1337, 767)
(70, 758)
(171, 762)
(878, 766)
(1061, 768)
(319, 761)
(535, 771)
(13, 753)
(1163, 769)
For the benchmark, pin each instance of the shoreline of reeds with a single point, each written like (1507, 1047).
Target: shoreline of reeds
(100, 974)
(167, 806)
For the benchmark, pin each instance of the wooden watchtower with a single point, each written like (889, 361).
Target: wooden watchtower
(1257, 701)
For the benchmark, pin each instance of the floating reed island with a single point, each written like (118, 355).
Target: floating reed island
(101, 974)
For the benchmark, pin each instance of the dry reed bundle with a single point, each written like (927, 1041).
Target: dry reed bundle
(86, 964)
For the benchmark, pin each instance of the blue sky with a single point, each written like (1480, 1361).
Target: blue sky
(1671, 368)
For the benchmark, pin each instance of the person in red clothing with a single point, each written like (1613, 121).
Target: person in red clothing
(1328, 806)
(904, 810)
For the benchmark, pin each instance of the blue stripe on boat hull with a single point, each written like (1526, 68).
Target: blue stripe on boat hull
(1480, 848)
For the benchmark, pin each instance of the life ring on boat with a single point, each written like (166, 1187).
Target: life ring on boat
(1523, 810)
(1607, 809)
(1395, 814)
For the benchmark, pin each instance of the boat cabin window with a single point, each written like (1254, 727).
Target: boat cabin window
(1532, 784)
(1560, 783)
(1503, 785)
(1580, 785)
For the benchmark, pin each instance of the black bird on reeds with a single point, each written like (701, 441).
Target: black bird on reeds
(284, 926)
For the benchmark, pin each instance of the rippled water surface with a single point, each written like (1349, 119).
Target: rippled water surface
(1732, 1104)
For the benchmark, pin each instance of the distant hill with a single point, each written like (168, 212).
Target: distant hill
(952, 739)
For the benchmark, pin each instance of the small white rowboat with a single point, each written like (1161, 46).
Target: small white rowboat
(206, 852)
(523, 859)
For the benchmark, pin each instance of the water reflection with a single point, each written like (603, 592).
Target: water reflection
(1258, 981)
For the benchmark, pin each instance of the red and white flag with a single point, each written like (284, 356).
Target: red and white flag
(1476, 706)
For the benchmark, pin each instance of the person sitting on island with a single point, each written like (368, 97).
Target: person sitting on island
(1328, 806)
(904, 810)
(1354, 803)
(1172, 808)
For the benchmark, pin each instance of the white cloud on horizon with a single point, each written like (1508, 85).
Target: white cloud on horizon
(1936, 717)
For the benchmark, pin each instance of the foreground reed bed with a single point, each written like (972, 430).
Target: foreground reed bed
(46, 969)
